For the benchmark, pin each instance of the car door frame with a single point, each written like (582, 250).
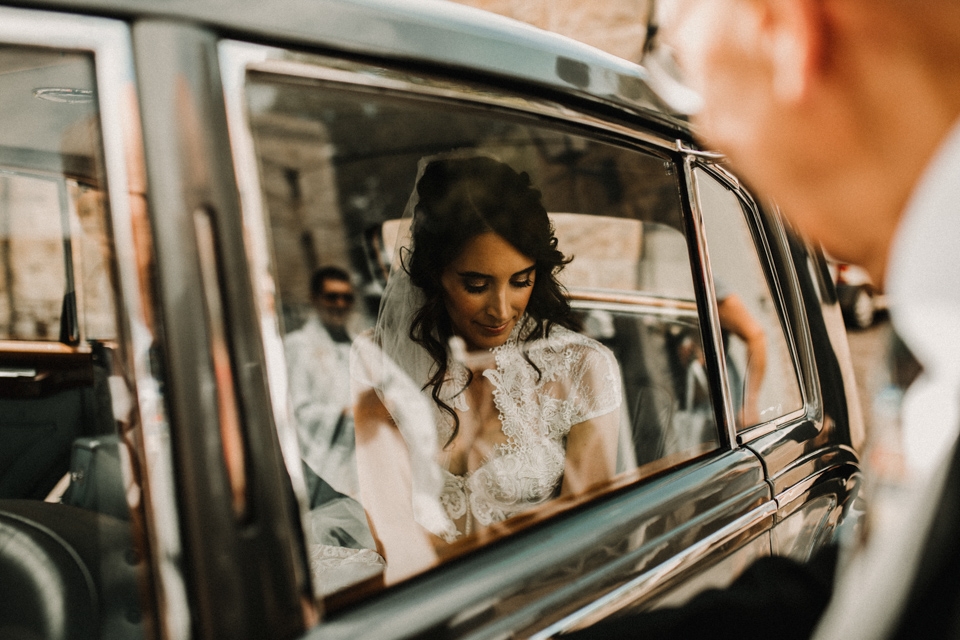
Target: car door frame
(815, 484)
(240, 534)
(108, 42)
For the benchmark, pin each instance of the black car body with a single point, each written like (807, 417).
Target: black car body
(171, 172)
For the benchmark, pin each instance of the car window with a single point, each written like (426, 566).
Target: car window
(33, 304)
(760, 368)
(67, 412)
(337, 166)
(53, 249)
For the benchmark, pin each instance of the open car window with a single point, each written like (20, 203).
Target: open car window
(337, 165)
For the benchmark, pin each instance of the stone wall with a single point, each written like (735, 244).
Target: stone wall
(33, 258)
(616, 26)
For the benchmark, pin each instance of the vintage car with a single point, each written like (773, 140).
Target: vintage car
(860, 300)
(172, 173)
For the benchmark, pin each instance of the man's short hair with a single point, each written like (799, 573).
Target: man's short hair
(323, 274)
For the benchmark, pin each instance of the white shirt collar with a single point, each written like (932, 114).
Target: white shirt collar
(924, 264)
(924, 294)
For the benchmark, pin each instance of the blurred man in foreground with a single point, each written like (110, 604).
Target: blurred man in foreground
(847, 112)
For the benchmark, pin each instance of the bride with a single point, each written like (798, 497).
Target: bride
(519, 407)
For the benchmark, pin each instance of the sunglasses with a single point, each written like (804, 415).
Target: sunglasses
(333, 298)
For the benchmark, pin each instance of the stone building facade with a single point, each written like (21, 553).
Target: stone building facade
(302, 193)
(615, 26)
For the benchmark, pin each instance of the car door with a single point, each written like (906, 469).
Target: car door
(326, 152)
(77, 398)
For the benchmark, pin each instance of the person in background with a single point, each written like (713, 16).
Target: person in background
(746, 380)
(340, 543)
(318, 358)
(847, 113)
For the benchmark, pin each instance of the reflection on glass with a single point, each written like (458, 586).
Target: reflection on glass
(760, 369)
(67, 414)
(458, 445)
(318, 364)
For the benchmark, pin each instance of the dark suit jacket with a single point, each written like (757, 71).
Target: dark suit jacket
(774, 598)
(779, 598)
(933, 608)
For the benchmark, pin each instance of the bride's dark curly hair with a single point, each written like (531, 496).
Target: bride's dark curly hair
(459, 199)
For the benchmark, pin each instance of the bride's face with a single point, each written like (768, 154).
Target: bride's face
(486, 290)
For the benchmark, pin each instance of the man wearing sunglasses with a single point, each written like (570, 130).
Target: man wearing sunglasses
(318, 359)
(847, 113)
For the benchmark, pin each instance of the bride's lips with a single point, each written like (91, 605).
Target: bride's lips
(495, 330)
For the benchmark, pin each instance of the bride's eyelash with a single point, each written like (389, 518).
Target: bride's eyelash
(480, 287)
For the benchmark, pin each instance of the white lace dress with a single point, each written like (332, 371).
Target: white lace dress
(578, 380)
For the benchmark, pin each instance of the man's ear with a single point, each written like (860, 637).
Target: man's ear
(794, 39)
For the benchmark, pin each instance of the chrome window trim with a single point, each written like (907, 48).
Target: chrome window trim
(347, 73)
(110, 43)
(778, 280)
(696, 209)
(803, 341)
(637, 305)
(646, 582)
(705, 155)
(803, 361)
(750, 434)
(234, 59)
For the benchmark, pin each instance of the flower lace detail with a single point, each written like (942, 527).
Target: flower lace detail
(578, 379)
(334, 568)
(458, 377)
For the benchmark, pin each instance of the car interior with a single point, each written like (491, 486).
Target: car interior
(64, 513)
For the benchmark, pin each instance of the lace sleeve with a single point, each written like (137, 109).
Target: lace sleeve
(595, 385)
(593, 399)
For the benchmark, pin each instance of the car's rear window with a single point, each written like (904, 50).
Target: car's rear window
(68, 410)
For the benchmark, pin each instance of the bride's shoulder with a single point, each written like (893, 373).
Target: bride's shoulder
(563, 340)
(564, 352)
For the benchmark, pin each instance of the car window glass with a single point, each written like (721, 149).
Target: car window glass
(52, 250)
(66, 405)
(761, 371)
(32, 304)
(337, 168)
